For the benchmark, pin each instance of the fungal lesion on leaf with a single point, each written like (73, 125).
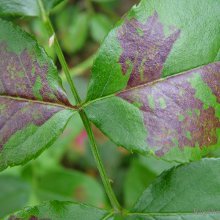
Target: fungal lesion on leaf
(173, 109)
(23, 75)
(146, 46)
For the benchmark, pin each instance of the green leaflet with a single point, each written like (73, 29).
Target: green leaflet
(120, 121)
(34, 108)
(61, 210)
(163, 62)
(189, 192)
(25, 7)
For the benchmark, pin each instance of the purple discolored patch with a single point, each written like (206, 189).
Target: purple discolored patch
(173, 114)
(30, 92)
(16, 115)
(22, 76)
(211, 75)
(145, 49)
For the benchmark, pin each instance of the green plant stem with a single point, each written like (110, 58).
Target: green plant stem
(58, 50)
(114, 202)
(100, 166)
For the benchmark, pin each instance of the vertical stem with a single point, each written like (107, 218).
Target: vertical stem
(100, 166)
(58, 50)
(114, 202)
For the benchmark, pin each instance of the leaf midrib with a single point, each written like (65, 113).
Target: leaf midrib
(19, 99)
(85, 104)
(173, 213)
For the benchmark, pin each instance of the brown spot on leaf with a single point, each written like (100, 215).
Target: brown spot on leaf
(145, 49)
